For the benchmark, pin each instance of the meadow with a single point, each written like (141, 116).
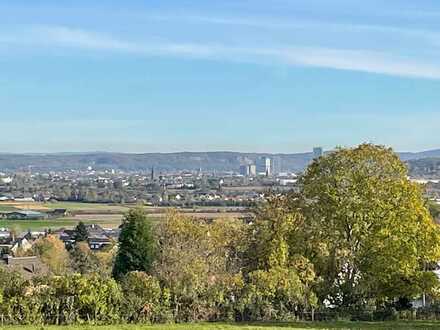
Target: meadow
(250, 326)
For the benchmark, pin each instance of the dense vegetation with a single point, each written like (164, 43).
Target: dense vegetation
(356, 240)
(425, 325)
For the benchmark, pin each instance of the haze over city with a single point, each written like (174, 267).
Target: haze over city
(253, 76)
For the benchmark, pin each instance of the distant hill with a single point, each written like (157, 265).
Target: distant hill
(405, 156)
(207, 161)
(425, 167)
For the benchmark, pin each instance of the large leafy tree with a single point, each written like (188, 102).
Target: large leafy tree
(136, 244)
(367, 229)
(52, 252)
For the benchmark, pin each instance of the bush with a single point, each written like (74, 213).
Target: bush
(143, 299)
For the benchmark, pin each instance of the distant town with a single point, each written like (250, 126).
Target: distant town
(238, 180)
(34, 201)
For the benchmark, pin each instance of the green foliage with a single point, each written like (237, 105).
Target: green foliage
(434, 209)
(81, 234)
(63, 300)
(53, 253)
(279, 281)
(83, 260)
(136, 244)
(143, 299)
(357, 235)
(272, 237)
(276, 294)
(367, 230)
(341, 325)
(198, 263)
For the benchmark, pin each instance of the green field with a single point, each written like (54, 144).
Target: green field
(35, 225)
(253, 326)
(74, 206)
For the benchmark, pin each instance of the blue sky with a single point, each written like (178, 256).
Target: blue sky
(242, 75)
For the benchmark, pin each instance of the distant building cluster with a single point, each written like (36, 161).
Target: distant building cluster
(270, 166)
(263, 166)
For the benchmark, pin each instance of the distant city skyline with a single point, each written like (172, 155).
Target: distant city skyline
(235, 75)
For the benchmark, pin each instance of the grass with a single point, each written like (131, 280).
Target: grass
(35, 225)
(70, 206)
(23, 225)
(7, 208)
(253, 326)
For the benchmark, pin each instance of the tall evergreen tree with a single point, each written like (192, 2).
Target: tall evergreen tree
(136, 244)
(81, 234)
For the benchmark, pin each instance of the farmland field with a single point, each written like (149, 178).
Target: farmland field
(68, 223)
(106, 215)
(252, 326)
(70, 206)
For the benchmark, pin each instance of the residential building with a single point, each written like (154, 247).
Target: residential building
(25, 215)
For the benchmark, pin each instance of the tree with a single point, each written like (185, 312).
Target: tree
(270, 235)
(275, 294)
(79, 299)
(53, 253)
(83, 260)
(279, 280)
(136, 244)
(434, 209)
(367, 230)
(142, 297)
(200, 264)
(81, 233)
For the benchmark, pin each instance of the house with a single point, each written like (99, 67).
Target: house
(21, 245)
(57, 213)
(28, 267)
(25, 199)
(6, 180)
(33, 235)
(98, 242)
(6, 198)
(113, 233)
(67, 236)
(98, 237)
(6, 241)
(25, 215)
(426, 300)
(6, 236)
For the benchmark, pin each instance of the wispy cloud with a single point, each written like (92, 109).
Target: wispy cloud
(277, 24)
(338, 59)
